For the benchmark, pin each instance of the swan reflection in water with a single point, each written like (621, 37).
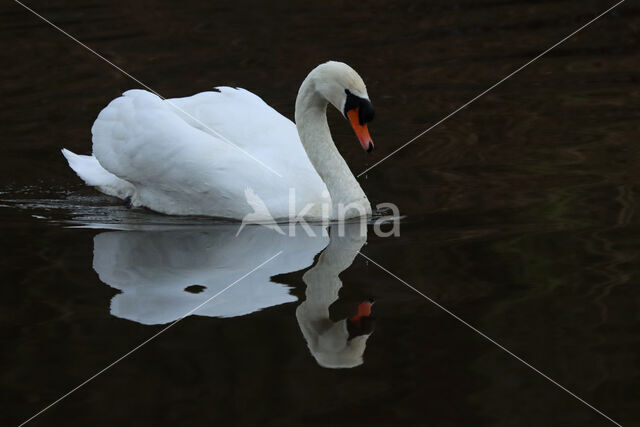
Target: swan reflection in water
(334, 344)
(163, 274)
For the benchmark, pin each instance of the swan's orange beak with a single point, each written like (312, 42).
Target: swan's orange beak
(362, 132)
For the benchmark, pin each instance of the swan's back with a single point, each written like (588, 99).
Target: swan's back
(239, 116)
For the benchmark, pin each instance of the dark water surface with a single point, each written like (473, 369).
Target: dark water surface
(520, 218)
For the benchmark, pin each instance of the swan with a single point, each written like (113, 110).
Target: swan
(201, 155)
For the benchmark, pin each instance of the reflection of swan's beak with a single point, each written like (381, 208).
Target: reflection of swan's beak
(361, 130)
(364, 310)
(362, 323)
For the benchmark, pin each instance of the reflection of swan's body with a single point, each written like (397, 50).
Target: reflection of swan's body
(153, 269)
(328, 341)
(164, 274)
(178, 157)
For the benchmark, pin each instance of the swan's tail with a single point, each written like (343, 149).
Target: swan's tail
(92, 173)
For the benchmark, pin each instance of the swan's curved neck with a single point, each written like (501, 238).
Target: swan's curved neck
(311, 121)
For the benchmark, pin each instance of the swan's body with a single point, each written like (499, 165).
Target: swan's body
(199, 155)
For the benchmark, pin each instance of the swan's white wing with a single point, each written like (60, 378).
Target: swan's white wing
(241, 117)
(92, 173)
(137, 138)
(244, 119)
(176, 168)
(247, 121)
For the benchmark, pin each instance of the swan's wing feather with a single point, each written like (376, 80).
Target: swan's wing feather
(92, 173)
(140, 139)
(136, 137)
(241, 117)
(177, 168)
(244, 119)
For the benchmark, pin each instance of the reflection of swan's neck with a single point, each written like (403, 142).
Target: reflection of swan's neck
(328, 341)
(323, 283)
(311, 121)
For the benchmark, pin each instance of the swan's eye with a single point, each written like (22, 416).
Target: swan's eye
(364, 106)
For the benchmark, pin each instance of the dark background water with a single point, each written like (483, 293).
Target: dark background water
(521, 215)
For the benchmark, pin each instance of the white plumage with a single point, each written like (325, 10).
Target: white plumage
(197, 155)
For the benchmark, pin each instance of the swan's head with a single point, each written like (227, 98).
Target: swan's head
(345, 90)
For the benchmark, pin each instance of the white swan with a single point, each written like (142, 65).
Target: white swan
(198, 155)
